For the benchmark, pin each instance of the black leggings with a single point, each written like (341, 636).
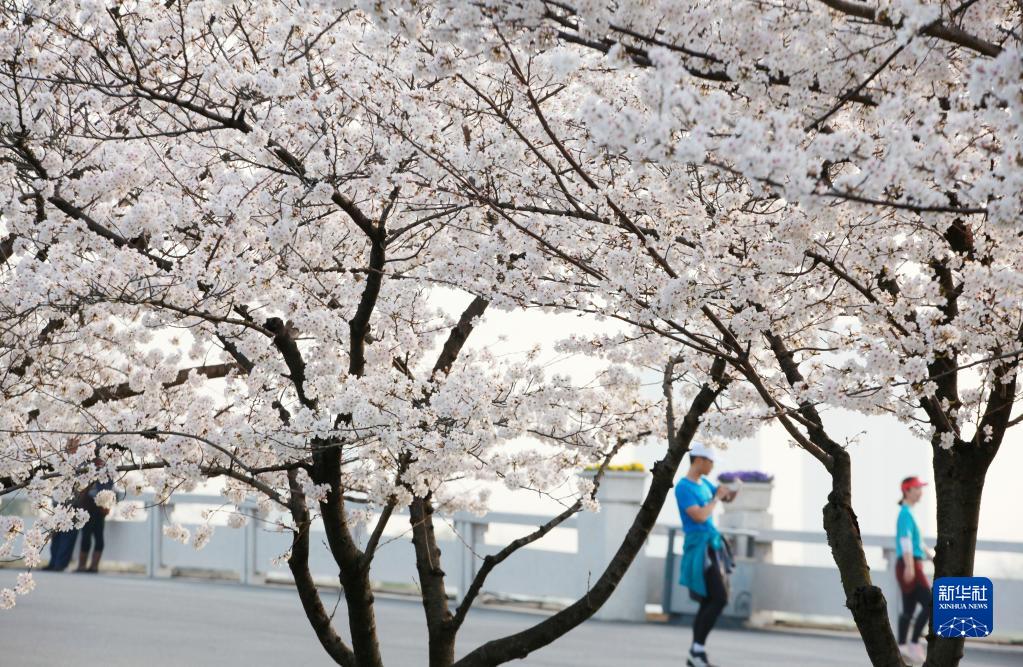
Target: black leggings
(919, 594)
(93, 528)
(713, 604)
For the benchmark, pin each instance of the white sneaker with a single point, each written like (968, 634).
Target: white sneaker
(908, 653)
(698, 660)
(921, 652)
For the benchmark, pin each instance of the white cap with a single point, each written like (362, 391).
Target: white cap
(702, 450)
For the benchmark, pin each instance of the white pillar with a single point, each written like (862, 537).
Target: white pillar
(600, 535)
(155, 567)
(470, 538)
(890, 585)
(749, 511)
(250, 573)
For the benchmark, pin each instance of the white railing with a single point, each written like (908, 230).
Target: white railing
(759, 585)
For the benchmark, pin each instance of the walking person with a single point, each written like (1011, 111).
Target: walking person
(62, 547)
(62, 543)
(706, 560)
(92, 532)
(910, 552)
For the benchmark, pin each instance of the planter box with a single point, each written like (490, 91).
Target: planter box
(753, 497)
(621, 486)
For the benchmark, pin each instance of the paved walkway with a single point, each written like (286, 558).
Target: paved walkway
(124, 621)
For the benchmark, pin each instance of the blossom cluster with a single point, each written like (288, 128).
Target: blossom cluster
(233, 254)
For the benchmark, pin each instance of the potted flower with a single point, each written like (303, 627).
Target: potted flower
(755, 494)
(620, 482)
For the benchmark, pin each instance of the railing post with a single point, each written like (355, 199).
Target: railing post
(360, 534)
(151, 520)
(248, 572)
(670, 570)
(763, 551)
(600, 535)
(894, 606)
(472, 535)
(155, 567)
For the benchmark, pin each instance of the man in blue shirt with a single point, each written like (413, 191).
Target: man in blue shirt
(704, 556)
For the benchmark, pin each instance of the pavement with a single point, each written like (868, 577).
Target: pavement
(126, 621)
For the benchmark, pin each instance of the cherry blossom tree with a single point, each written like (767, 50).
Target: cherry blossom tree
(824, 194)
(223, 223)
(220, 262)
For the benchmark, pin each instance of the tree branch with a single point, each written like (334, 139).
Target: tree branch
(521, 644)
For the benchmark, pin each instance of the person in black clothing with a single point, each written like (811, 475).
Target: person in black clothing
(713, 603)
(62, 543)
(706, 559)
(62, 547)
(92, 532)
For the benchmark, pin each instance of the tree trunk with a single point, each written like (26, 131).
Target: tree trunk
(439, 625)
(865, 600)
(353, 572)
(318, 617)
(361, 617)
(298, 562)
(959, 482)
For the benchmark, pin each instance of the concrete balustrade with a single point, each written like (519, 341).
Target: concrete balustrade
(760, 586)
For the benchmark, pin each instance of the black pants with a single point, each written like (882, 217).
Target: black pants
(62, 547)
(919, 594)
(93, 529)
(713, 604)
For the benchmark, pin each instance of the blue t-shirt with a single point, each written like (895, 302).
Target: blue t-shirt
(689, 493)
(906, 528)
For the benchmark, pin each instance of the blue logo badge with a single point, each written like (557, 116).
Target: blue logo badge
(963, 607)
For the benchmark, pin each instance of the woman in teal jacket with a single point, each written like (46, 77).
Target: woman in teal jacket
(910, 552)
(705, 560)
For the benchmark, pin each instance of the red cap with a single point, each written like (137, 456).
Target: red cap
(912, 483)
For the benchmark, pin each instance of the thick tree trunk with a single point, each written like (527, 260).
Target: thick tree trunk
(353, 571)
(318, 617)
(361, 617)
(865, 600)
(298, 562)
(959, 482)
(440, 629)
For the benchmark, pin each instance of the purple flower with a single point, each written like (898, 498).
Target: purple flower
(753, 476)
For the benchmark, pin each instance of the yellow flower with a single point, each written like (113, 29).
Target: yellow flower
(635, 466)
